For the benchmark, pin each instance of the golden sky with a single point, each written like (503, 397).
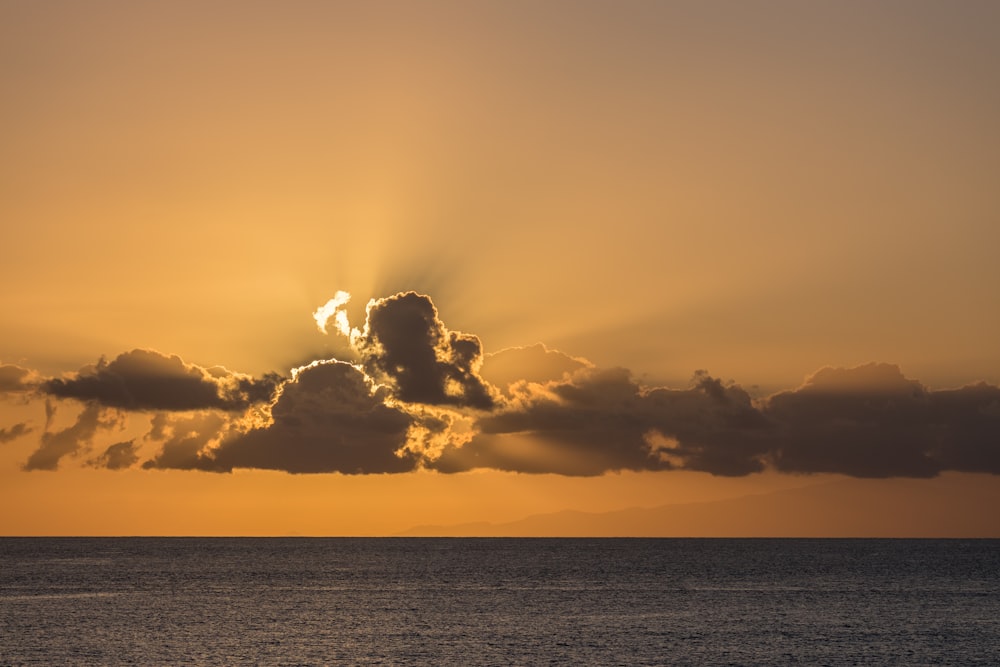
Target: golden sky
(695, 206)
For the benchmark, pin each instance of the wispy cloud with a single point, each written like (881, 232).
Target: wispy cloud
(74, 439)
(14, 432)
(118, 456)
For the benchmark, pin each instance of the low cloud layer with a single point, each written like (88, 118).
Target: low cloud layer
(148, 380)
(423, 396)
(871, 421)
(868, 421)
(599, 420)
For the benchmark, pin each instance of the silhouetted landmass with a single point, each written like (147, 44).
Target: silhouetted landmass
(950, 506)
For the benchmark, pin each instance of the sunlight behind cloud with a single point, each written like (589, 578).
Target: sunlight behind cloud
(598, 201)
(334, 308)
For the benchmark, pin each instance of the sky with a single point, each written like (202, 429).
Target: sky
(337, 268)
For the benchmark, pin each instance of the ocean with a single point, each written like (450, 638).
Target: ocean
(429, 601)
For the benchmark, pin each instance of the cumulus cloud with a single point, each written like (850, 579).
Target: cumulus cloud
(405, 343)
(334, 309)
(871, 421)
(406, 346)
(424, 396)
(967, 421)
(326, 419)
(148, 380)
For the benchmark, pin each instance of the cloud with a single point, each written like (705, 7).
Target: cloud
(423, 396)
(326, 419)
(967, 421)
(185, 438)
(406, 346)
(118, 456)
(871, 421)
(868, 421)
(148, 380)
(334, 309)
(600, 420)
(16, 379)
(73, 439)
(14, 432)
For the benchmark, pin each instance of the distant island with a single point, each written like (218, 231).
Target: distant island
(949, 506)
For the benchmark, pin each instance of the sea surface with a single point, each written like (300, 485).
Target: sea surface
(421, 601)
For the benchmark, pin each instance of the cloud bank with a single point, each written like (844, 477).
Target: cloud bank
(148, 380)
(419, 395)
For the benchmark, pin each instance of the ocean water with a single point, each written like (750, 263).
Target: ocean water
(400, 601)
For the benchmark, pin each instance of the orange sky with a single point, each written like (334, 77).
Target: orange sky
(760, 190)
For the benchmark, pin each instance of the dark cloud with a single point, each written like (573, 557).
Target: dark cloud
(148, 380)
(251, 390)
(16, 379)
(326, 419)
(184, 439)
(425, 396)
(405, 345)
(14, 432)
(118, 456)
(868, 421)
(967, 422)
(601, 420)
(73, 439)
(712, 427)
(871, 421)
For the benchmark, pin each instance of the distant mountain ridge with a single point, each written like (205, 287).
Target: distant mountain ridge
(954, 506)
